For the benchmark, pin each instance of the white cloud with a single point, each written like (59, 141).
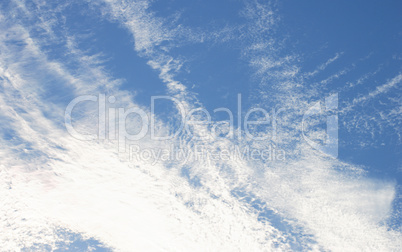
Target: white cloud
(89, 188)
(379, 90)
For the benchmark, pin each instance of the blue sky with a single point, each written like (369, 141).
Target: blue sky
(284, 57)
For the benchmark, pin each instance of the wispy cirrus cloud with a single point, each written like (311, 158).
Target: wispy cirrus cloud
(394, 82)
(51, 180)
(67, 183)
